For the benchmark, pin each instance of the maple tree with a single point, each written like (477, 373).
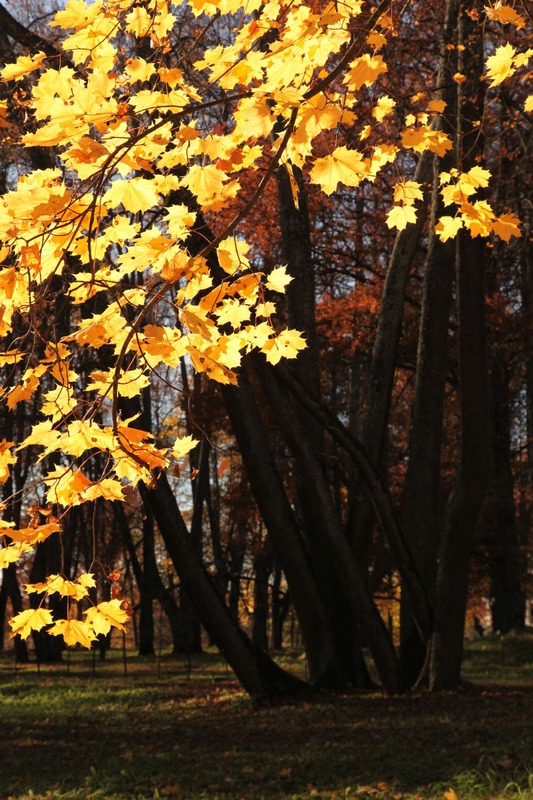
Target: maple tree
(154, 144)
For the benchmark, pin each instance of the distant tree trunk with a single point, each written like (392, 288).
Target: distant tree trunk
(262, 570)
(423, 511)
(423, 482)
(146, 614)
(506, 562)
(154, 584)
(12, 590)
(189, 633)
(280, 606)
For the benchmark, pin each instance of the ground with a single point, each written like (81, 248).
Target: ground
(173, 729)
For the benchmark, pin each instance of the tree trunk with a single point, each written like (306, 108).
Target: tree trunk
(278, 516)
(258, 674)
(469, 489)
(506, 563)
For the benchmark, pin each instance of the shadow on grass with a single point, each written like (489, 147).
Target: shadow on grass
(143, 737)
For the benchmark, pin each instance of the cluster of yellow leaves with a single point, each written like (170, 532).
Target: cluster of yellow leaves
(141, 150)
(99, 618)
(477, 217)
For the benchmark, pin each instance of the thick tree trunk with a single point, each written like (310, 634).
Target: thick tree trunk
(423, 511)
(282, 527)
(469, 488)
(362, 612)
(470, 484)
(258, 674)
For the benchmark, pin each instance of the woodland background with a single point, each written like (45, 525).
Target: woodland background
(372, 497)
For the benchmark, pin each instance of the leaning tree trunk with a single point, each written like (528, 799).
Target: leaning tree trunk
(279, 518)
(257, 672)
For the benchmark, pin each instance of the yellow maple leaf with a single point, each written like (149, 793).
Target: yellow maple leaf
(31, 536)
(384, 107)
(505, 14)
(108, 488)
(12, 553)
(33, 619)
(129, 383)
(365, 70)
(183, 445)
(73, 632)
(286, 345)
(400, 216)
(341, 166)
(6, 459)
(528, 104)
(437, 105)
(501, 65)
(106, 615)
(135, 194)
(478, 217)
(203, 362)
(278, 279)
(506, 225)
(57, 584)
(447, 227)
(22, 66)
(76, 14)
(459, 78)
(407, 192)
(233, 255)
(424, 138)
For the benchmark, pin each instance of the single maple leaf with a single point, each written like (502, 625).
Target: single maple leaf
(400, 216)
(278, 279)
(22, 66)
(447, 227)
(106, 615)
(505, 14)
(33, 619)
(286, 345)
(73, 632)
(341, 166)
(501, 65)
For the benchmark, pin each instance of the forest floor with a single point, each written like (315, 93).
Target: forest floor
(171, 728)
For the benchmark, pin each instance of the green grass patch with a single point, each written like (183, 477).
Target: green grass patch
(179, 728)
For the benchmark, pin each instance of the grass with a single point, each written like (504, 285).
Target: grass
(187, 731)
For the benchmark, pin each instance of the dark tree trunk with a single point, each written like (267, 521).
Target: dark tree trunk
(47, 561)
(279, 518)
(146, 612)
(469, 488)
(423, 511)
(258, 674)
(506, 562)
(262, 570)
